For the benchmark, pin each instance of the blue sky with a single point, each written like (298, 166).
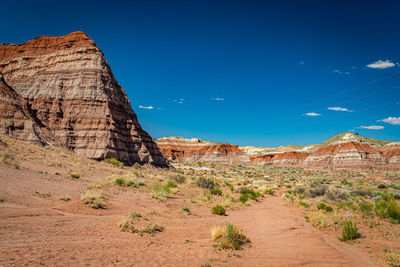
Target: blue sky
(242, 72)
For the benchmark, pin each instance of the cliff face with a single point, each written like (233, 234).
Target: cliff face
(73, 93)
(192, 150)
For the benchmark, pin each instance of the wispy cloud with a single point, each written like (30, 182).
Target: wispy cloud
(312, 114)
(341, 72)
(392, 120)
(179, 101)
(301, 63)
(373, 127)
(339, 109)
(217, 98)
(146, 107)
(381, 64)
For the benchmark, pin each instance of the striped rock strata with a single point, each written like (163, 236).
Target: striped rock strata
(73, 93)
(192, 150)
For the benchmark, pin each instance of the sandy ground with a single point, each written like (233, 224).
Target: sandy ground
(37, 228)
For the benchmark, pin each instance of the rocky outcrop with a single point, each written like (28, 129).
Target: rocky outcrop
(17, 120)
(192, 150)
(345, 150)
(73, 93)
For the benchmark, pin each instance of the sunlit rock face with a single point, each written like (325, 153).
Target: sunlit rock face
(192, 150)
(73, 93)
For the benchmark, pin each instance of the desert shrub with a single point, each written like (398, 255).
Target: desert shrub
(388, 209)
(349, 231)
(127, 225)
(304, 204)
(119, 181)
(347, 205)
(229, 185)
(205, 183)
(366, 208)
(75, 175)
(160, 191)
(171, 183)
(334, 194)
(270, 191)
(253, 195)
(323, 206)
(299, 190)
(94, 200)
(7, 158)
(114, 161)
(360, 192)
(229, 236)
(216, 191)
(152, 228)
(316, 191)
(243, 198)
(187, 210)
(180, 179)
(218, 209)
(382, 186)
(137, 166)
(65, 199)
(135, 215)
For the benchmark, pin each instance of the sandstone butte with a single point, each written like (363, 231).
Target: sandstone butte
(61, 90)
(345, 150)
(193, 150)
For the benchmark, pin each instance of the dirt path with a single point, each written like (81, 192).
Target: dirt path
(281, 238)
(37, 231)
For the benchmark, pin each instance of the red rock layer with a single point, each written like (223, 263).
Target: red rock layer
(186, 150)
(74, 94)
(351, 155)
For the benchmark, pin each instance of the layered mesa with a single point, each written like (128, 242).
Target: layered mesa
(71, 94)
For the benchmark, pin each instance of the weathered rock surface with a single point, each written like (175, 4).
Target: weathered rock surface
(191, 150)
(73, 93)
(345, 150)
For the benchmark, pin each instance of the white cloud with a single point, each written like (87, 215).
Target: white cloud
(381, 64)
(372, 127)
(312, 114)
(392, 120)
(146, 107)
(339, 109)
(179, 101)
(301, 63)
(217, 98)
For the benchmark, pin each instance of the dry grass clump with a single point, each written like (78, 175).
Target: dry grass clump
(229, 236)
(94, 199)
(128, 225)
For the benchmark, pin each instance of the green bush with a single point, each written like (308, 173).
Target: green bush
(270, 191)
(323, 206)
(366, 208)
(253, 195)
(180, 179)
(350, 231)
(388, 209)
(75, 175)
(187, 210)
(216, 191)
(205, 183)
(160, 191)
(243, 198)
(304, 204)
(137, 166)
(114, 161)
(171, 183)
(94, 200)
(218, 209)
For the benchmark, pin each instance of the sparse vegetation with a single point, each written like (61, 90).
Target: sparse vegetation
(323, 206)
(205, 183)
(94, 199)
(229, 236)
(161, 191)
(114, 161)
(75, 175)
(349, 231)
(218, 209)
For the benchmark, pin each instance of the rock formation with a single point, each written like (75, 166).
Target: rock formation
(73, 93)
(345, 150)
(192, 150)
